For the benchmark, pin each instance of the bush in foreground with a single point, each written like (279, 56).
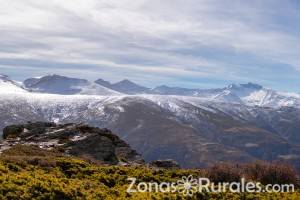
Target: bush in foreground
(50, 175)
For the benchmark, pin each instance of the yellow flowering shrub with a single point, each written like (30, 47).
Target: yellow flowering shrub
(53, 176)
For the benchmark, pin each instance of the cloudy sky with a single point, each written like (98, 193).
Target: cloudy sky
(187, 43)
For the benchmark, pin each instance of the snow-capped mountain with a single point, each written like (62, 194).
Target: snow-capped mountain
(256, 95)
(55, 84)
(248, 94)
(9, 86)
(177, 127)
(238, 123)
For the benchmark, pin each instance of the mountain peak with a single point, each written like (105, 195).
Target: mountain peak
(162, 87)
(103, 83)
(252, 86)
(125, 86)
(245, 86)
(52, 83)
(126, 81)
(57, 77)
(57, 84)
(128, 87)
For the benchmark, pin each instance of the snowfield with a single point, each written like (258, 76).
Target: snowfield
(8, 86)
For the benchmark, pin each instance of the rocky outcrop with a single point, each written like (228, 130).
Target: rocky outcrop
(95, 144)
(22, 130)
(167, 164)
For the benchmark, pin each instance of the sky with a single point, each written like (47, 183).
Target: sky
(184, 43)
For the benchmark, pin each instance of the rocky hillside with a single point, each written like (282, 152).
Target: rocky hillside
(94, 144)
(192, 132)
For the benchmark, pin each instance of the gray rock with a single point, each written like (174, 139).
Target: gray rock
(167, 164)
(94, 144)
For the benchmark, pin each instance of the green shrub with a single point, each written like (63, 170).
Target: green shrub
(50, 175)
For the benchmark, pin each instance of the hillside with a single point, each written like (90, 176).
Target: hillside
(28, 172)
(175, 127)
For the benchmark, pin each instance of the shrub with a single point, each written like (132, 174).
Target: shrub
(12, 131)
(224, 173)
(271, 173)
(55, 176)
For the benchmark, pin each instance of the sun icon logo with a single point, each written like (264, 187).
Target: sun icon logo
(187, 186)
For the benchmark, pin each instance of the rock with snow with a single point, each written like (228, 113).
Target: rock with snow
(95, 144)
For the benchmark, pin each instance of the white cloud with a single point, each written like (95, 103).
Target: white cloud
(183, 37)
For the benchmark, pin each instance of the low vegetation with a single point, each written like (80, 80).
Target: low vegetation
(27, 172)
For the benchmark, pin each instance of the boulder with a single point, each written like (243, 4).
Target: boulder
(167, 164)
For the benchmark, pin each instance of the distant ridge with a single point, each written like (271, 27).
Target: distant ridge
(125, 86)
(56, 84)
(247, 94)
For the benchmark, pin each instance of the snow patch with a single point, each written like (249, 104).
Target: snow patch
(78, 138)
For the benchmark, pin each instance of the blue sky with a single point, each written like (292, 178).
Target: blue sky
(186, 43)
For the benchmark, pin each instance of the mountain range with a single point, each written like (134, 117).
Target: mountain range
(195, 127)
(248, 94)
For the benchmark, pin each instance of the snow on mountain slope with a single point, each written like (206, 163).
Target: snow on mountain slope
(9, 86)
(53, 107)
(227, 96)
(271, 98)
(255, 95)
(248, 94)
(55, 84)
(95, 89)
(142, 120)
